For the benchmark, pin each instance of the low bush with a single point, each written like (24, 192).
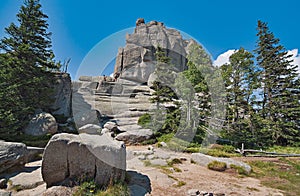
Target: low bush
(240, 170)
(217, 166)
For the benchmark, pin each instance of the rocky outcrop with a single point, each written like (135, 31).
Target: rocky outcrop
(204, 160)
(62, 95)
(41, 124)
(83, 156)
(136, 61)
(12, 155)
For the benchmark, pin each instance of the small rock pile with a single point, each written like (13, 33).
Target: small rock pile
(196, 192)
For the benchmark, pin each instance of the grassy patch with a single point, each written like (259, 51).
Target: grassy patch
(283, 174)
(174, 161)
(220, 151)
(287, 150)
(91, 189)
(217, 166)
(180, 183)
(144, 120)
(240, 170)
(147, 163)
(165, 137)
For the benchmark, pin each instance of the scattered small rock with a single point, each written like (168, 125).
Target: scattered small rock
(3, 184)
(112, 127)
(163, 144)
(193, 192)
(142, 157)
(5, 193)
(183, 159)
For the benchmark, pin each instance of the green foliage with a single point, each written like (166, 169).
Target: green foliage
(279, 107)
(90, 188)
(29, 140)
(174, 161)
(240, 170)
(217, 166)
(281, 174)
(180, 183)
(144, 120)
(287, 149)
(220, 151)
(263, 99)
(240, 80)
(87, 188)
(26, 84)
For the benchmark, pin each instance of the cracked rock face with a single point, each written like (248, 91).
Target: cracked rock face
(69, 157)
(136, 61)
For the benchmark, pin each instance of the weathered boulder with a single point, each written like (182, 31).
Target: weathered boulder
(112, 127)
(41, 124)
(90, 156)
(135, 136)
(87, 117)
(204, 160)
(136, 61)
(12, 155)
(90, 129)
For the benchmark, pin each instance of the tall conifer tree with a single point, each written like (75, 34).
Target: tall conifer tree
(280, 94)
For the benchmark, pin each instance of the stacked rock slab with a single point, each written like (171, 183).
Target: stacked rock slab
(11, 155)
(136, 61)
(69, 157)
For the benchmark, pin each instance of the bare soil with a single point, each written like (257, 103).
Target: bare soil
(197, 177)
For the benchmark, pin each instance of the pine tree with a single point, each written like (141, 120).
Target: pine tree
(30, 41)
(165, 79)
(25, 64)
(240, 77)
(280, 99)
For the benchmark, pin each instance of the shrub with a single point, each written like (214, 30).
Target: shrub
(217, 166)
(240, 170)
(144, 120)
(174, 161)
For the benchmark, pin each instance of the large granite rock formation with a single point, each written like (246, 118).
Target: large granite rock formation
(136, 61)
(69, 157)
(62, 95)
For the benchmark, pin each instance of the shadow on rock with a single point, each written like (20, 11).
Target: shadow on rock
(22, 169)
(139, 183)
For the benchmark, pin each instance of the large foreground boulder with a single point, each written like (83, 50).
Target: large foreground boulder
(69, 157)
(204, 160)
(12, 155)
(41, 124)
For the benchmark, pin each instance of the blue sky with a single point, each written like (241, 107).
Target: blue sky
(220, 26)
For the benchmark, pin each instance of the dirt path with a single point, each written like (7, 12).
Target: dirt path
(194, 176)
